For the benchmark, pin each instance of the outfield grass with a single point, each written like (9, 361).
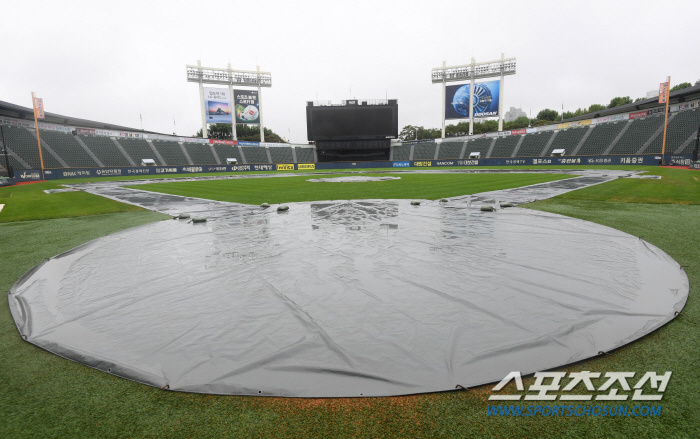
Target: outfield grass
(29, 202)
(291, 189)
(43, 395)
(676, 186)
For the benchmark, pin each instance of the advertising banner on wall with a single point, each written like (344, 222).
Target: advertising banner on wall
(217, 105)
(486, 95)
(247, 106)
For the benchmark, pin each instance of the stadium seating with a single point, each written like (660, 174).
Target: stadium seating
(424, 151)
(600, 138)
(200, 153)
(679, 129)
(68, 149)
(450, 150)
(227, 152)
(22, 143)
(138, 149)
(505, 146)
(105, 150)
(170, 152)
(687, 125)
(304, 155)
(637, 134)
(402, 152)
(567, 140)
(281, 154)
(481, 145)
(533, 144)
(255, 154)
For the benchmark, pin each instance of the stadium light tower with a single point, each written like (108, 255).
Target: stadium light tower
(230, 77)
(471, 72)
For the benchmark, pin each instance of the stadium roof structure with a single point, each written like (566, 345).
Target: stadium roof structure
(20, 112)
(678, 96)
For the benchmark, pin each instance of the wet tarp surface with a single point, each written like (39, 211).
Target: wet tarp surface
(346, 298)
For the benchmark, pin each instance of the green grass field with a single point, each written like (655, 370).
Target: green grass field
(43, 395)
(291, 189)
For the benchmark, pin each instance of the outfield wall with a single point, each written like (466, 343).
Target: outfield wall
(55, 174)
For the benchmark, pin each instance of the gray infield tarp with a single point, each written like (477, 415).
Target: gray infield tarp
(347, 298)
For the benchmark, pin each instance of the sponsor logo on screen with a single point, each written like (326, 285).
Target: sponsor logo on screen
(522, 131)
(306, 166)
(445, 163)
(423, 163)
(223, 142)
(285, 167)
(402, 164)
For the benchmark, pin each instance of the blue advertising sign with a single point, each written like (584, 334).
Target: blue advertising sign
(402, 164)
(486, 96)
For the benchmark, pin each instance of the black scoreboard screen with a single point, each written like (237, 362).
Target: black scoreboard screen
(352, 121)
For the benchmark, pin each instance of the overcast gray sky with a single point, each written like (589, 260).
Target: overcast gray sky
(111, 60)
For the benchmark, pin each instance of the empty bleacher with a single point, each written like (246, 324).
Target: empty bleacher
(505, 146)
(255, 154)
(534, 143)
(200, 153)
(687, 126)
(450, 150)
(227, 152)
(138, 149)
(68, 149)
(105, 150)
(281, 154)
(24, 144)
(567, 140)
(304, 155)
(424, 151)
(170, 152)
(637, 134)
(679, 129)
(480, 145)
(600, 138)
(402, 152)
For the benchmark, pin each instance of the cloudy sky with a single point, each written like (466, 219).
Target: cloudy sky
(113, 60)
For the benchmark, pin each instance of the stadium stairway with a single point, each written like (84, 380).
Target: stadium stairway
(65, 145)
(228, 152)
(171, 152)
(281, 154)
(505, 146)
(601, 136)
(138, 149)
(533, 144)
(105, 150)
(200, 153)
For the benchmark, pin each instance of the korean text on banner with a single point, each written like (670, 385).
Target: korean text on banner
(247, 106)
(39, 108)
(663, 92)
(217, 103)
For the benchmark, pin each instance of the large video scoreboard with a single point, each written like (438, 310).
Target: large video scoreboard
(356, 120)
